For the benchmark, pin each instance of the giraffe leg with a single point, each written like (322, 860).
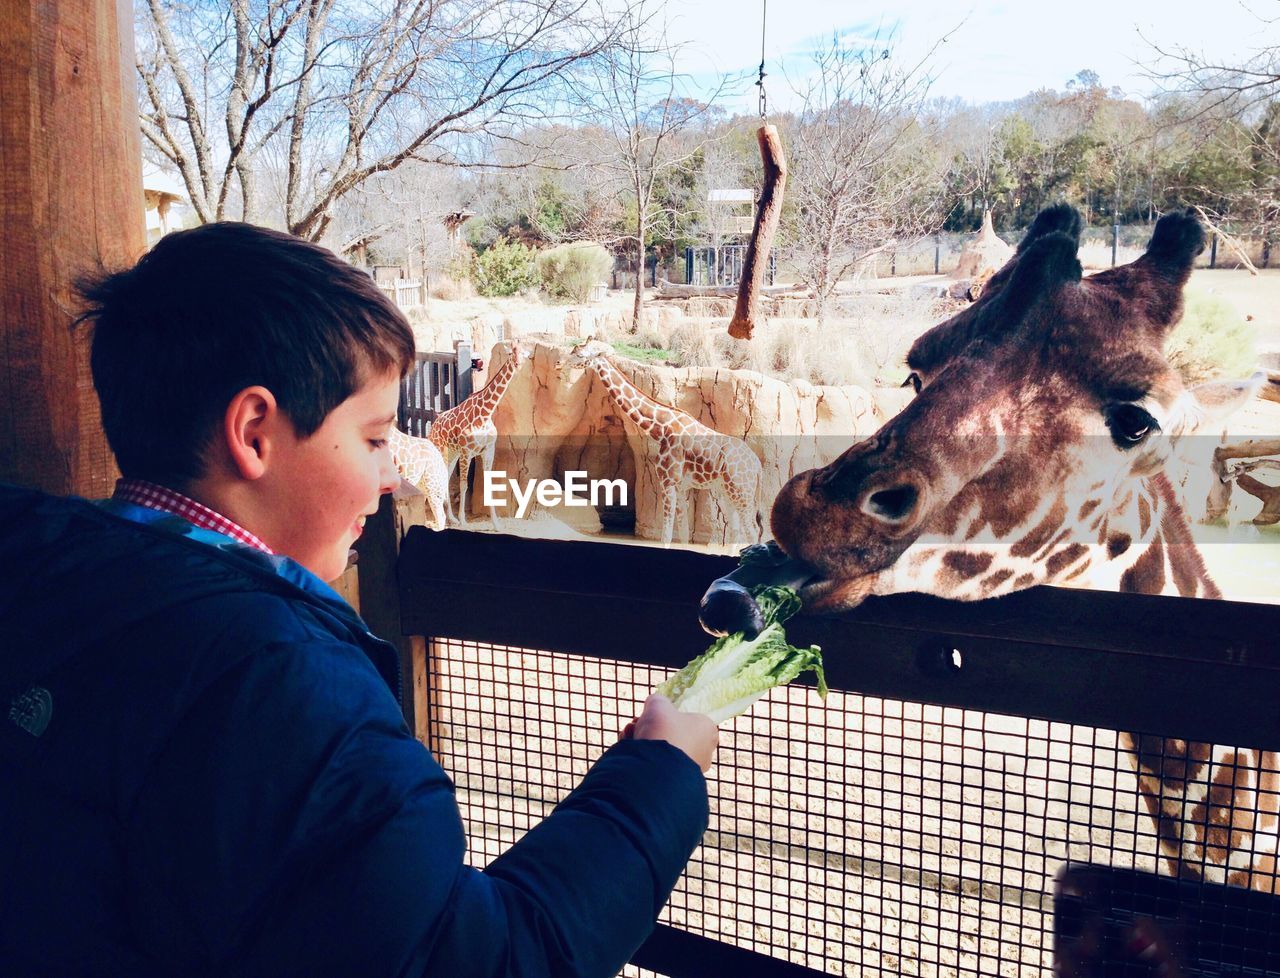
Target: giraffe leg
(464, 470)
(733, 524)
(741, 516)
(668, 513)
(446, 500)
(450, 460)
(438, 501)
(488, 466)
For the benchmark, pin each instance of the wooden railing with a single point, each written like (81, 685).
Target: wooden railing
(1178, 667)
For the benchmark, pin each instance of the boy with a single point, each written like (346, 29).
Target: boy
(204, 769)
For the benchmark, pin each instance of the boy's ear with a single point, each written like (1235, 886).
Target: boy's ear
(250, 425)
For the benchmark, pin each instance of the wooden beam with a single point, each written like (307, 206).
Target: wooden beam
(70, 202)
(1062, 654)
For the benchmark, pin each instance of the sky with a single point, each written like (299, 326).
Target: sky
(996, 50)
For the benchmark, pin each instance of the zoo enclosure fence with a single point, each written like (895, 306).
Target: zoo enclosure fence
(1101, 247)
(437, 382)
(913, 824)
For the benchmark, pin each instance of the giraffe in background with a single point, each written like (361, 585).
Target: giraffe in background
(466, 430)
(1034, 453)
(422, 466)
(690, 455)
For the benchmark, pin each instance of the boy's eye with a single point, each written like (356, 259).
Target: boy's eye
(378, 442)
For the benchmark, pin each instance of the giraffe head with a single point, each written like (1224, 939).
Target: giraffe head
(515, 352)
(586, 353)
(1037, 408)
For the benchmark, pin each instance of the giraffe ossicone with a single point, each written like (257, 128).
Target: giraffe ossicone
(689, 455)
(1034, 453)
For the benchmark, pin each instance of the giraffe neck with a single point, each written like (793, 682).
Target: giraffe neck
(487, 398)
(1162, 557)
(476, 410)
(400, 443)
(652, 418)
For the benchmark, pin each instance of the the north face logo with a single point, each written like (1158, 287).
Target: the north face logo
(32, 710)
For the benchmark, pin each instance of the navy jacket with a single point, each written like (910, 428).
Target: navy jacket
(204, 770)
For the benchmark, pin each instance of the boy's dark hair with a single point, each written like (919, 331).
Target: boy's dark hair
(213, 310)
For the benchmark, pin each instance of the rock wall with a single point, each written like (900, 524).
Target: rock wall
(555, 418)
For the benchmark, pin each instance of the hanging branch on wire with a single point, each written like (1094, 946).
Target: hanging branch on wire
(768, 211)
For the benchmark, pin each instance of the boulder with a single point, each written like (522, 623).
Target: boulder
(981, 258)
(556, 418)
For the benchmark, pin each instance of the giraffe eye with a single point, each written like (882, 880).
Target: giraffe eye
(913, 381)
(1129, 424)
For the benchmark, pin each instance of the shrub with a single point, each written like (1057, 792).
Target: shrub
(1212, 339)
(504, 268)
(569, 271)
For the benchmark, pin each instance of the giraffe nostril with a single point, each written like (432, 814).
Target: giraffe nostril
(892, 505)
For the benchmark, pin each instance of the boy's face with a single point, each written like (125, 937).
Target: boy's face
(323, 487)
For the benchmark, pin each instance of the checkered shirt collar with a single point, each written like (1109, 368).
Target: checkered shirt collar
(152, 496)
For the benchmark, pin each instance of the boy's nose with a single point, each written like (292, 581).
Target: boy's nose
(390, 474)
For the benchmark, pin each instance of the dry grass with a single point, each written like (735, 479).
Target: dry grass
(452, 290)
(864, 342)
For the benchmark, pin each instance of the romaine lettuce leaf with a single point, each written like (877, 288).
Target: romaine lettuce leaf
(736, 671)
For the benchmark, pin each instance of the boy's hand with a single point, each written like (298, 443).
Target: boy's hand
(694, 733)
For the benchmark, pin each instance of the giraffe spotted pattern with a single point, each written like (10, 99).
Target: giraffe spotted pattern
(689, 454)
(467, 431)
(1033, 453)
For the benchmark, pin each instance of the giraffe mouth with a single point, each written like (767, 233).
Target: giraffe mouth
(828, 595)
(728, 607)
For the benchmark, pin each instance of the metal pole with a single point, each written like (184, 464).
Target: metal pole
(1115, 243)
(1213, 253)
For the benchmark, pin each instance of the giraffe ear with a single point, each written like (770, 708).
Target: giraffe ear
(1060, 220)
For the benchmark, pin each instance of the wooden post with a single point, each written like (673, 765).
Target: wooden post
(379, 592)
(768, 212)
(70, 202)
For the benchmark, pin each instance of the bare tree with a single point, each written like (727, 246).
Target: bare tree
(1229, 114)
(647, 129)
(343, 90)
(399, 217)
(1178, 68)
(863, 168)
(977, 136)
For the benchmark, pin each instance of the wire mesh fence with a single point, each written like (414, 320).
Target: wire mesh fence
(860, 836)
(915, 827)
